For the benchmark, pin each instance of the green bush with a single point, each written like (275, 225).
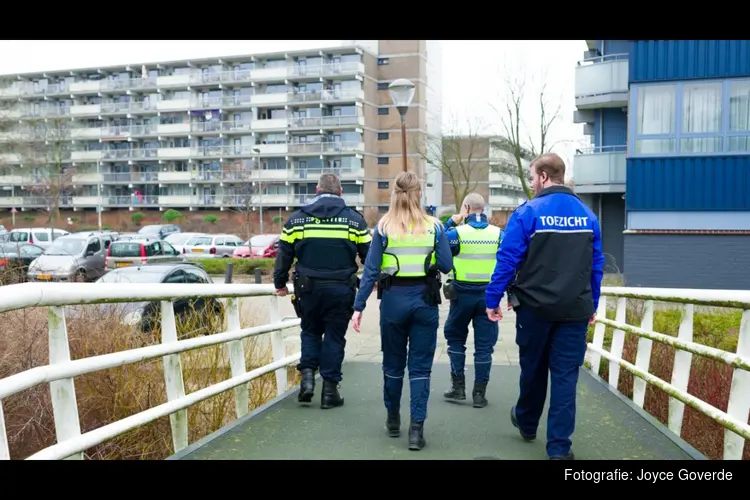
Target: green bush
(241, 266)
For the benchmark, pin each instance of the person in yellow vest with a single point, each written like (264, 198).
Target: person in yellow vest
(408, 252)
(474, 247)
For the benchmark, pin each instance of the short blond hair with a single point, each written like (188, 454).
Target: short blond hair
(475, 201)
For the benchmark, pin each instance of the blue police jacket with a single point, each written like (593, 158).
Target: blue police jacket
(477, 221)
(552, 247)
(443, 259)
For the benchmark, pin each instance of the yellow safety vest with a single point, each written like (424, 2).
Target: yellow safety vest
(410, 254)
(477, 253)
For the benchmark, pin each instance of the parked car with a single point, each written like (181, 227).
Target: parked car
(73, 257)
(159, 231)
(178, 240)
(140, 251)
(211, 246)
(260, 243)
(193, 316)
(128, 236)
(15, 259)
(41, 236)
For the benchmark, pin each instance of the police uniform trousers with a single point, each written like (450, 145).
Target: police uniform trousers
(557, 349)
(469, 307)
(408, 330)
(325, 312)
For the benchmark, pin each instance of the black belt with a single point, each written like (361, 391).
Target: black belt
(407, 281)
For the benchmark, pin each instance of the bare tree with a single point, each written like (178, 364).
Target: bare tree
(524, 143)
(242, 191)
(460, 155)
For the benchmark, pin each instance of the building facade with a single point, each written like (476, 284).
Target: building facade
(491, 169)
(687, 195)
(601, 98)
(218, 134)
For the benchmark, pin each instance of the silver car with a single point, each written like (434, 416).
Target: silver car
(73, 257)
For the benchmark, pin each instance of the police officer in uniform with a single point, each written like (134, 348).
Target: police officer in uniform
(552, 248)
(326, 237)
(474, 246)
(408, 253)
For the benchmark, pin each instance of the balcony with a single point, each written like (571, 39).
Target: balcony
(600, 170)
(86, 178)
(174, 176)
(86, 109)
(499, 201)
(87, 201)
(327, 122)
(86, 155)
(274, 98)
(353, 198)
(602, 82)
(173, 128)
(268, 125)
(86, 133)
(326, 147)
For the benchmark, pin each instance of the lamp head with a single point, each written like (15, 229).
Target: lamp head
(402, 93)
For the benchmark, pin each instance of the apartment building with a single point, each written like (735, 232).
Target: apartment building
(221, 133)
(490, 167)
(687, 157)
(601, 99)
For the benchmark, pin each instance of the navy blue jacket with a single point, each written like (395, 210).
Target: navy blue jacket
(452, 234)
(443, 259)
(324, 258)
(552, 248)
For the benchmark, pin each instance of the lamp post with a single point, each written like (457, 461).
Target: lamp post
(256, 162)
(402, 92)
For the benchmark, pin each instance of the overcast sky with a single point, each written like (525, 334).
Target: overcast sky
(472, 70)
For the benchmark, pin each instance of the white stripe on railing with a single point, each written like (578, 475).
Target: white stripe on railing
(736, 417)
(61, 370)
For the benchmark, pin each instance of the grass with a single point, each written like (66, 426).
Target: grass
(240, 266)
(710, 380)
(110, 395)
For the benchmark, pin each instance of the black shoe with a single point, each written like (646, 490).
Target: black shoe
(478, 394)
(457, 392)
(330, 397)
(416, 436)
(526, 437)
(307, 386)
(393, 424)
(568, 456)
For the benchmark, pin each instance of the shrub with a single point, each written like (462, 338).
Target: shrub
(710, 380)
(110, 395)
(241, 266)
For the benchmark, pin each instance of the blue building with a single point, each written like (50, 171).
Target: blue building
(669, 175)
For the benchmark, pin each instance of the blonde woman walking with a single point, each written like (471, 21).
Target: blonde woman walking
(409, 250)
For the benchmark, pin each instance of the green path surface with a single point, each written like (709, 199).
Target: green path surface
(607, 427)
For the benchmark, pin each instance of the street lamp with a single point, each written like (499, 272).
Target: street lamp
(402, 92)
(260, 188)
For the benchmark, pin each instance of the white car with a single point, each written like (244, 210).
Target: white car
(209, 246)
(177, 240)
(39, 236)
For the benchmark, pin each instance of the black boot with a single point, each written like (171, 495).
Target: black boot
(416, 436)
(330, 397)
(307, 386)
(478, 394)
(393, 424)
(458, 391)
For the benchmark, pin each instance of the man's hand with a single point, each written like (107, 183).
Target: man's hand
(357, 320)
(592, 319)
(281, 292)
(459, 217)
(494, 314)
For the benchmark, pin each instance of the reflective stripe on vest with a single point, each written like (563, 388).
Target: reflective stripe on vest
(408, 254)
(477, 255)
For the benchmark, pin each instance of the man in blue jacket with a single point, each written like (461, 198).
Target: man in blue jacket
(551, 258)
(473, 245)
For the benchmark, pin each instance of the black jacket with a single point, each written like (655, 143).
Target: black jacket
(552, 247)
(322, 257)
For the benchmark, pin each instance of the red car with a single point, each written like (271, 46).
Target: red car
(260, 246)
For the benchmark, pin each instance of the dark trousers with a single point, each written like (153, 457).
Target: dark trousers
(325, 314)
(469, 307)
(557, 348)
(408, 329)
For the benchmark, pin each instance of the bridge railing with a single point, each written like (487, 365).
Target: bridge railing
(61, 370)
(735, 419)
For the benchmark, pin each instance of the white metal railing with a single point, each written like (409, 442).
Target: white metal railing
(735, 419)
(62, 370)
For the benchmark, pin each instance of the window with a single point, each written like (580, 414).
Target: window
(710, 117)
(383, 86)
(383, 61)
(383, 160)
(382, 111)
(382, 136)
(383, 185)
